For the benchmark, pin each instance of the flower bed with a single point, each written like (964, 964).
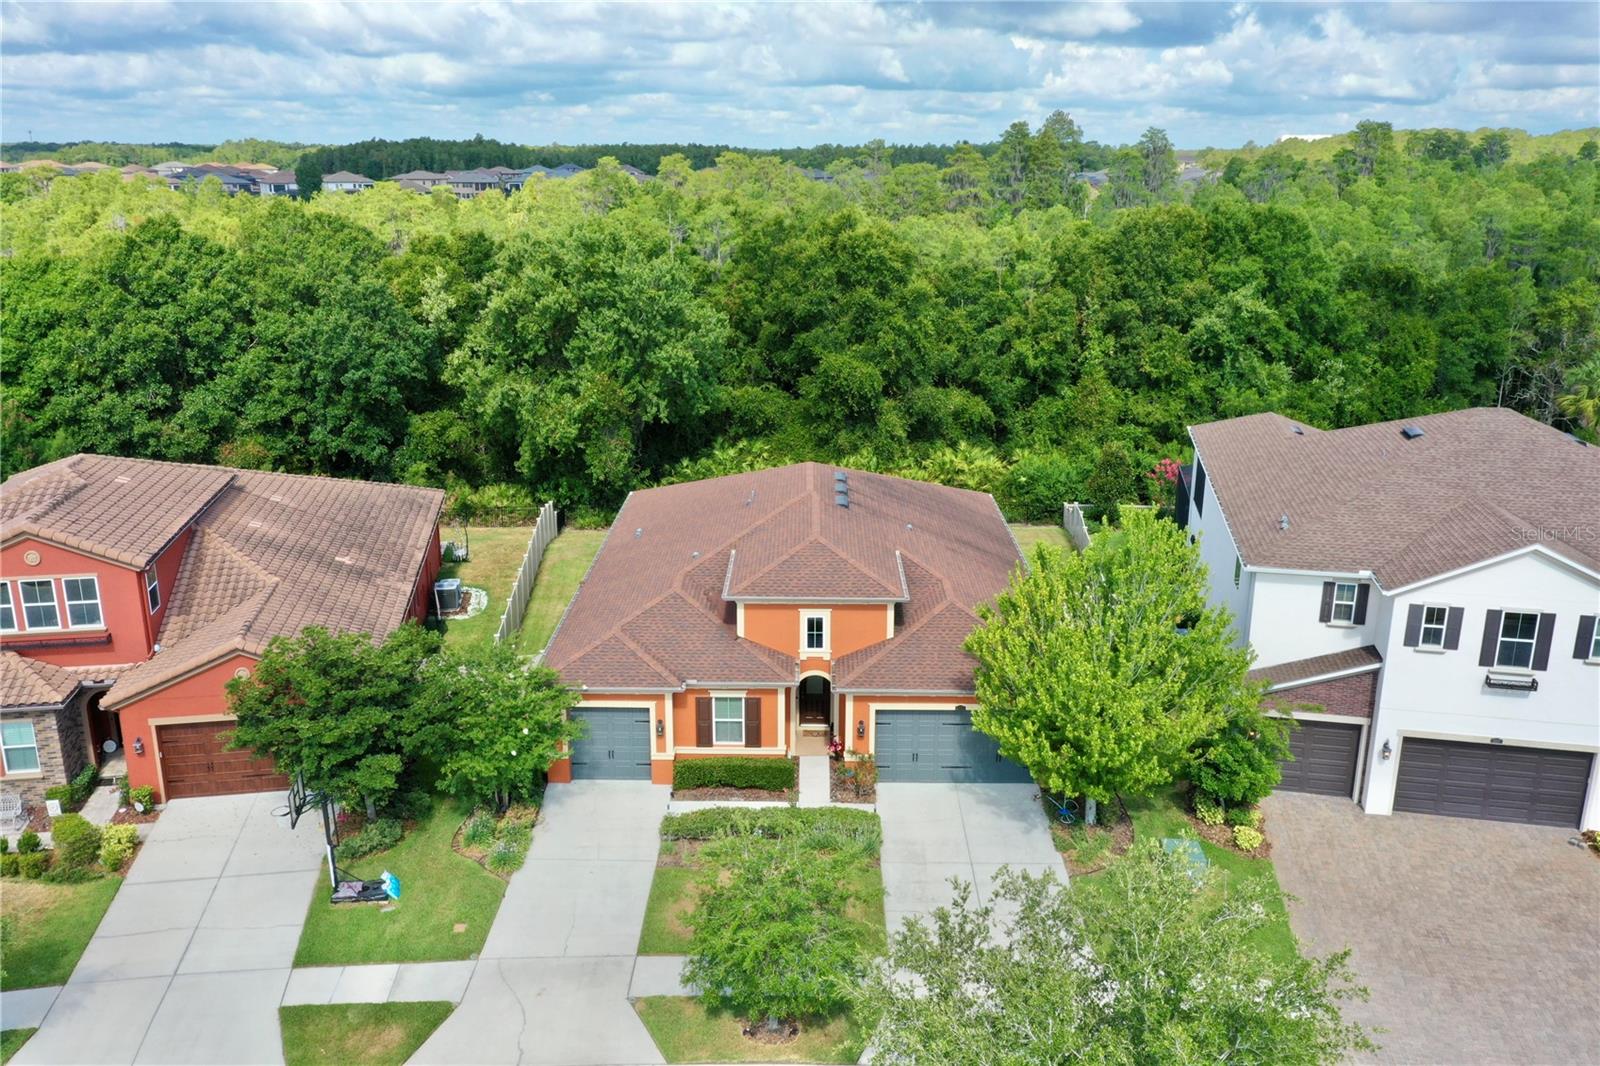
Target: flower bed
(853, 781)
(498, 844)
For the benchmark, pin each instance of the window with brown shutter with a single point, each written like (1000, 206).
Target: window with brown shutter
(702, 721)
(752, 721)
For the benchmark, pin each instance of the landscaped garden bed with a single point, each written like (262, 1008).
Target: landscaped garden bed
(780, 911)
(853, 780)
(738, 778)
(1088, 849)
(1240, 828)
(498, 843)
(358, 1034)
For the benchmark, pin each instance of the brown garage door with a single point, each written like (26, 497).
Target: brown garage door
(193, 763)
(1324, 758)
(1503, 784)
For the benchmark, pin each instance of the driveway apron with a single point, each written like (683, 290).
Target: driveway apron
(191, 958)
(932, 833)
(552, 984)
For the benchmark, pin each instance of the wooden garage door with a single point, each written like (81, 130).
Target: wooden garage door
(1502, 784)
(1324, 758)
(193, 763)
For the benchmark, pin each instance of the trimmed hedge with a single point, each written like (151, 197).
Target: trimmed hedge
(734, 771)
(824, 828)
(77, 793)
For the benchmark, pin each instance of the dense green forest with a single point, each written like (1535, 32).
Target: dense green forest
(986, 320)
(249, 150)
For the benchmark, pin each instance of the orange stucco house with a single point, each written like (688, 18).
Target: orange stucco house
(767, 613)
(132, 591)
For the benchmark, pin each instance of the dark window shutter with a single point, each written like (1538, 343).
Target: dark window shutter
(1327, 602)
(1413, 625)
(1541, 643)
(1585, 643)
(752, 721)
(702, 721)
(1491, 636)
(1199, 488)
(1452, 628)
(1361, 603)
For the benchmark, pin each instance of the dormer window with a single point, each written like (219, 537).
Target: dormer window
(152, 590)
(814, 634)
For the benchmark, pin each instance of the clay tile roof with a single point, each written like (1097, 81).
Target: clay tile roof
(1289, 674)
(654, 609)
(28, 682)
(1475, 485)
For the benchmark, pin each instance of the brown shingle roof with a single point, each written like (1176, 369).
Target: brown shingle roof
(28, 682)
(1477, 484)
(651, 612)
(271, 553)
(1289, 674)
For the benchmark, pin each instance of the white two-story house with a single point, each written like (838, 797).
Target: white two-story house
(1422, 596)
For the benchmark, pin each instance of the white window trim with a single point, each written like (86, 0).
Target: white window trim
(715, 696)
(1352, 602)
(1443, 628)
(826, 651)
(152, 585)
(23, 605)
(11, 605)
(67, 603)
(1594, 645)
(7, 749)
(1500, 637)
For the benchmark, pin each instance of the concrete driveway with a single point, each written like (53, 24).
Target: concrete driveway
(192, 957)
(932, 833)
(552, 985)
(1479, 941)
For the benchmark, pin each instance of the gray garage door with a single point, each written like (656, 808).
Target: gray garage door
(616, 745)
(1492, 781)
(938, 746)
(1324, 758)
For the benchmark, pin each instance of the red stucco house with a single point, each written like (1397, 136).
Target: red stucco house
(767, 613)
(132, 591)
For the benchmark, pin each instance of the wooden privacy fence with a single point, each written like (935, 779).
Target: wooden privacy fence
(544, 531)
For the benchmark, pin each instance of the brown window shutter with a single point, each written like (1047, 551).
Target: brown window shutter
(702, 721)
(1327, 602)
(1491, 638)
(1585, 643)
(752, 721)
(1413, 625)
(1361, 603)
(1541, 643)
(1452, 628)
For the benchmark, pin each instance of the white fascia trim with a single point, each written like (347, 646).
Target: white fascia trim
(1488, 741)
(816, 599)
(1319, 716)
(1351, 575)
(1331, 676)
(874, 691)
(1481, 563)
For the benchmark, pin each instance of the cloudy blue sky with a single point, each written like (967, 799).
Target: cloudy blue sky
(765, 75)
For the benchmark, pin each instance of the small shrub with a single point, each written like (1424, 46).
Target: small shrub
(122, 790)
(116, 844)
(142, 797)
(77, 841)
(33, 865)
(62, 794)
(1240, 765)
(10, 865)
(1248, 816)
(734, 771)
(1247, 838)
(62, 874)
(520, 814)
(505, 856)
(1207, 810)
(5, 845)
(377, 836)
(28, 842)
(84, 784)
(479, 832)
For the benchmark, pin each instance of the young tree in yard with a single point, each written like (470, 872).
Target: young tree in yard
(1084, 675)
(334, 708)
(771, 941)
(1239, 765)
(1157, 967)
(498, 722)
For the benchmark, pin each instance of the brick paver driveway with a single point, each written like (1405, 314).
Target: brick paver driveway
(1479, 941)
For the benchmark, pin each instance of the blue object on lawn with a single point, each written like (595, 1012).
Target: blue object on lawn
(1191, 850)
(1066, 810)
(391, 884)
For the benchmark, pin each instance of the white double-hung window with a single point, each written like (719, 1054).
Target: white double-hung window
(1433, 625)
(1518, 631)
(1344, 602)
(814, 634)
(39, 608)
(18, 746)
(727, 719)
(83, 602)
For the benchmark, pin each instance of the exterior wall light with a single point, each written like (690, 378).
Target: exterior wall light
(1388, 751)
(861, 727)
(661, 728)
(138, 745)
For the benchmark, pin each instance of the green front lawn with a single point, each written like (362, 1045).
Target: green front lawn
(566, 560)
(11, 1040)
(52, 926)
(669, 915)
(358, 1034)
(1029, 535)
(439, 890)
(1156, 817)
(686, 1031)
(496, 553)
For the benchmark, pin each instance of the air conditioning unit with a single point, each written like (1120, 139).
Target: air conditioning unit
(447, 596)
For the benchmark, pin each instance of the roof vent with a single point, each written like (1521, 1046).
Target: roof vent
(1283, 522)
(275, 499)
(841, 478)
(1299, 431)
(694, 555)
(1577, 440)
(842, 499)
(345, 559)
(122, 479)
(637, 533)
(748, 500)
(1411, 432)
